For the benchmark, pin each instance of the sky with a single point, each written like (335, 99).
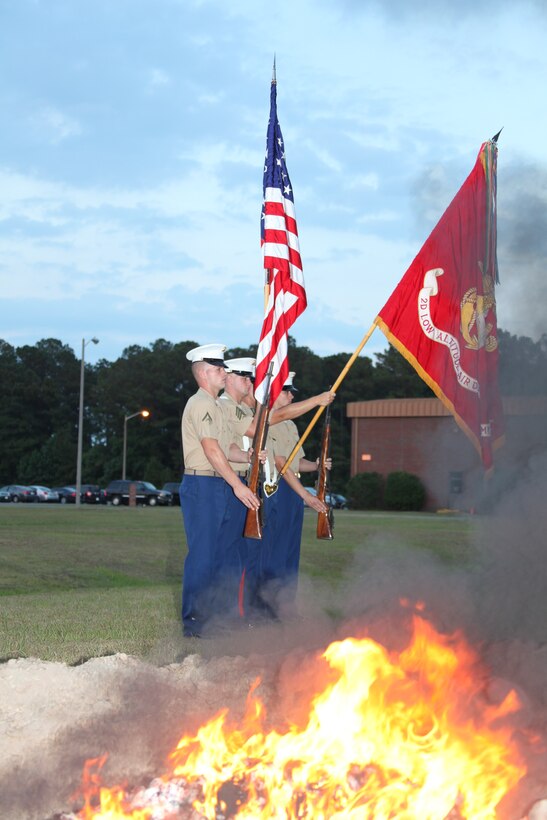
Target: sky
(132, 149)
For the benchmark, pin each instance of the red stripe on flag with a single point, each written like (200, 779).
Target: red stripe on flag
(275, 236)
(294, 258)
(274, 208)
(291, 225)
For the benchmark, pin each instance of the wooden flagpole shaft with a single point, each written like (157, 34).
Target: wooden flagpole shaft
(266, 290)
(319, 410)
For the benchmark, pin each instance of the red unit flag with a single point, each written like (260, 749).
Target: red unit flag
(442, 314)
(287, 295)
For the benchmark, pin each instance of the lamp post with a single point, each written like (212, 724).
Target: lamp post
(144, 414)
(81, 421)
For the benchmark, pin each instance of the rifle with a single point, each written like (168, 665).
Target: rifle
(255, 518)
(325, 521)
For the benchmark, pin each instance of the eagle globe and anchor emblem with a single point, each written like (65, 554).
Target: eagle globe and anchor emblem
(476, 330)
(474, 310)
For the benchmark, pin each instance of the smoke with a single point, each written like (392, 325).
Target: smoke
(522, 249)
(511, 583)
(496, 592)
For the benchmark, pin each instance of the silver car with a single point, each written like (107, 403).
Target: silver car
(44, 493)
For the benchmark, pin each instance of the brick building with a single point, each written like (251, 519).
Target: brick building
(420, 436)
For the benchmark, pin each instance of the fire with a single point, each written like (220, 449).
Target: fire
(391, 735)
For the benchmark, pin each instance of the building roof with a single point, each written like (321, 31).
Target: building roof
(389, 408)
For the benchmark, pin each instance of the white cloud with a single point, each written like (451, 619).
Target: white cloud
(382, 141)
(55, 125)
(197, 191)
(213, 155)
(370, 180)
(324, 156)
(378, 216)
(158, 78)
(210, 99)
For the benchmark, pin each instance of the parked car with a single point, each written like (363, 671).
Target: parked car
(173, 487)
(334, 500)
(4, 496)
(117, 493)
(19, 492)
(44, 493)
(90, 494)
(67, 495)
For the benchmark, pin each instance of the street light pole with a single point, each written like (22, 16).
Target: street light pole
(81, 421)
(144, 414)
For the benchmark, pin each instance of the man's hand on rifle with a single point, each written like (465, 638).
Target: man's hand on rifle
(262, 456)
(328, 463)
(315, 503)
(246, 496)
(219, 462)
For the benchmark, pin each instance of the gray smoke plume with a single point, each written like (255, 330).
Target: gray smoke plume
(522, 249)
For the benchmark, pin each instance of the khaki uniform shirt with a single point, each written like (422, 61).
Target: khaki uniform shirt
(238, 417)
(281, 439)
(202, 418)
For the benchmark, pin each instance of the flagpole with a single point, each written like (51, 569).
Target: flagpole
(266, 290)
(319, 410)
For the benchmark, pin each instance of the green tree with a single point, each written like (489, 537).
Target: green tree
(53, 464)
(40, 390)
(157, 378)
(395, 378)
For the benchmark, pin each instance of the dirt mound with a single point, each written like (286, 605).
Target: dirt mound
(54, 717)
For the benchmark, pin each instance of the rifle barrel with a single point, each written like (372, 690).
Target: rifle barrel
(325, 521)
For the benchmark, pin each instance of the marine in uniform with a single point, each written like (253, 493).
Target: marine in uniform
(209, 490)
(239, 416)
(238, 403)
(284, 511)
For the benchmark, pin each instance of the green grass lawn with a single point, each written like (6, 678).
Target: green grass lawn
(77, 583)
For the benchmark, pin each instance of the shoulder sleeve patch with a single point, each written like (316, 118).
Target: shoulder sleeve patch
(207, 417)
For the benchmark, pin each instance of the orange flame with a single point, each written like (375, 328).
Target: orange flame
(391, 736)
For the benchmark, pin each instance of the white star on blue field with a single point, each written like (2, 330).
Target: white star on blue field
(133, 144)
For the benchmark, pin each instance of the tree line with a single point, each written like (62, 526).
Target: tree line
(40, 389)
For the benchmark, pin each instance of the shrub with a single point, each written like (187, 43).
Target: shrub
(365, 491)
(404, 491)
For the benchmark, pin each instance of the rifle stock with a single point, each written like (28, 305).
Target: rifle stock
(325, 521)
(254, 518)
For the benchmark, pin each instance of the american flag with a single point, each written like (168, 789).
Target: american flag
(287, 295)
